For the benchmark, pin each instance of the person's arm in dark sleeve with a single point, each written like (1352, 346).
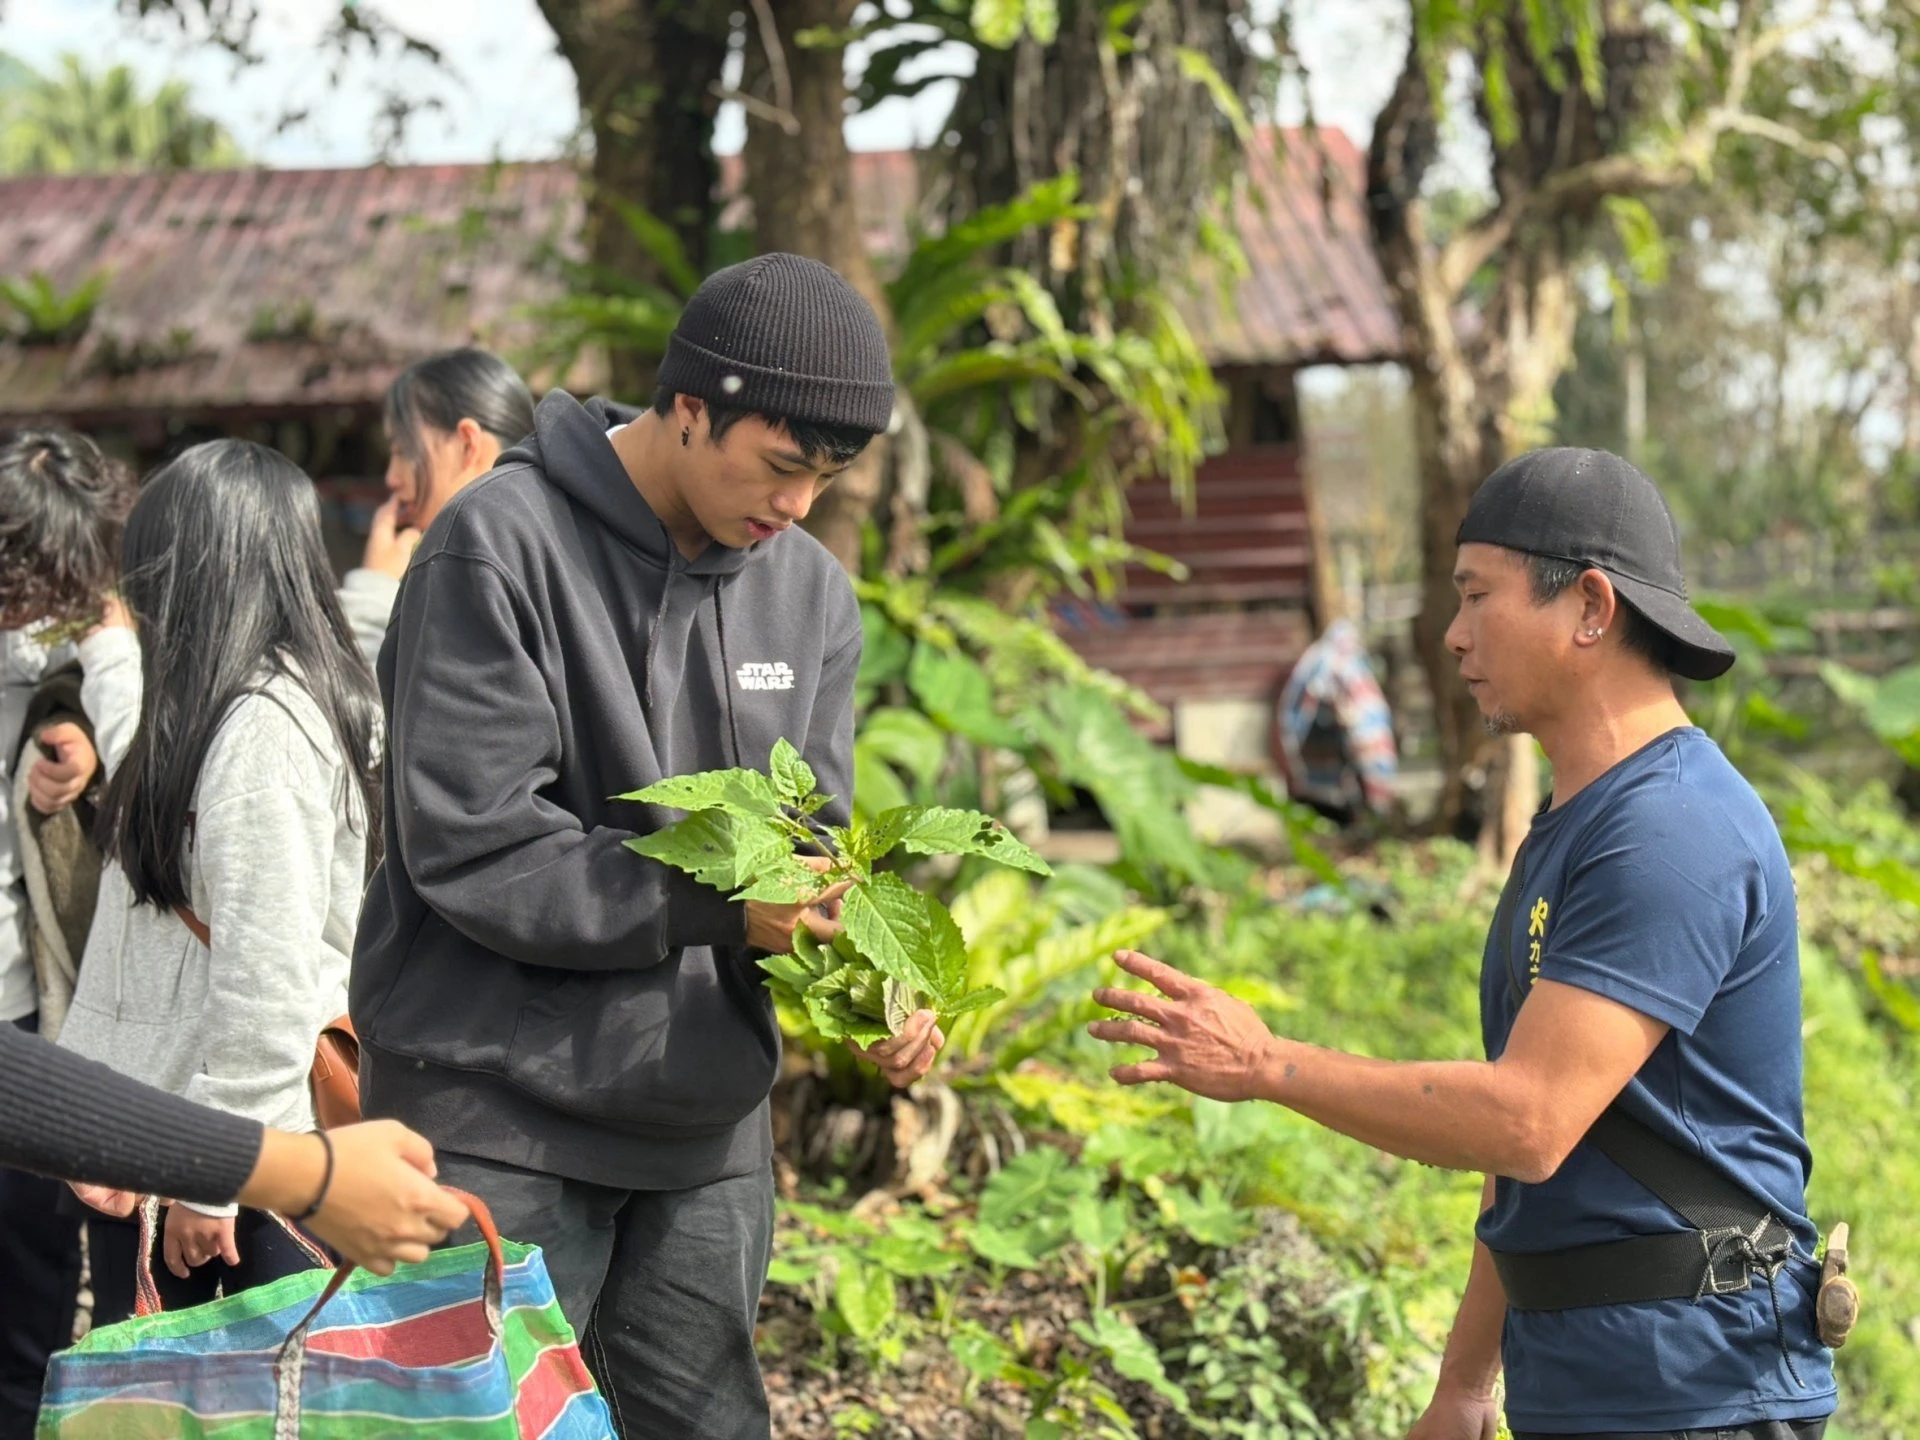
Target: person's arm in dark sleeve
(475, 740)
(69, 1117)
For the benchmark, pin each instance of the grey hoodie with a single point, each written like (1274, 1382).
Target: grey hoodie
(527, 989)
(275, 866)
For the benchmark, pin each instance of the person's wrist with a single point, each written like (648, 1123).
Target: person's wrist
(1273, 1069)
(288, 1175)
(1472, 1388)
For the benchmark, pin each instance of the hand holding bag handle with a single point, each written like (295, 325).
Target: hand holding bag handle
(291, 1364)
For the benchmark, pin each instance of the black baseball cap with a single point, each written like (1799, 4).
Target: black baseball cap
(1592, 508)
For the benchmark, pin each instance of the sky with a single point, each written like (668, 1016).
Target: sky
(505, 93)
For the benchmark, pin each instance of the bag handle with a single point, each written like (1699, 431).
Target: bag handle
(146, 1294)
(291, 1364)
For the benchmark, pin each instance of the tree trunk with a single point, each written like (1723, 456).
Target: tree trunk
(646, 73)
(800, 178)
(1477, 403)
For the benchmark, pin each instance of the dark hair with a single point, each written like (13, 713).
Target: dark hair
(227, 576)
(62, 506)
(820, 443)
(455, 385)
(1549, 576)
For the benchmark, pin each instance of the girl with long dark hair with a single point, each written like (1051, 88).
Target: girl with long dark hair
(448, 418)
(245, 803)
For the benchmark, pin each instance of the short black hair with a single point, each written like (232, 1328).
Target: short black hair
(63, 506)
(455, 385)
(1549, 576)
(820, 443)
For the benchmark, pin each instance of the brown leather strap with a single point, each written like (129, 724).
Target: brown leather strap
(194, 923)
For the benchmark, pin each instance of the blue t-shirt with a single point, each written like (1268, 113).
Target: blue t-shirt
(1663, 885)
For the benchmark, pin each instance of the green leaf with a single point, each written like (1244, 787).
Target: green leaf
(875, 785)
(1021, 1247)
(1640, 238)
(983, 998)
(904, 934)
(715, 847)
(661, 243)
(792, 777)
(1137, 1154)
(1208, 1217)
(985, 230)
(1299, 822)
(1040, 1185)
(1099, 1224)
(1198, 68)
(914, 1257)
(781, 881)
(998, 23)
(1043, 20)
(746, 793)
(905, 739)
(1894, 711)
(937, 830)
(1131, 1354)
(865, 1297)
(791, 971)
(1850, 686)
(978, 1350)
(957, 693)
(883, 649)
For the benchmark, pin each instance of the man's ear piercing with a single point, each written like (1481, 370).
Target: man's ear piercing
(1595, 634)
(686, 436)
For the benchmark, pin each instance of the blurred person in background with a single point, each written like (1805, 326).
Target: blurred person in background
(62, 505)
(448, 418)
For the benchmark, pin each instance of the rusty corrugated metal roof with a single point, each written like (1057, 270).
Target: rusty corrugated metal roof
(244, 289)
(1313, 292)
(272, 289)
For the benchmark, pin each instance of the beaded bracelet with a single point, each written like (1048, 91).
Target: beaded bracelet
(326, 1180)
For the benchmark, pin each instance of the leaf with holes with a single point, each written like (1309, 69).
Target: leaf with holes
(716, 848)
(936, 830)
(745, 793)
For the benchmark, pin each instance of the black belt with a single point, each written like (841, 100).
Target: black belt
(1685, 1265)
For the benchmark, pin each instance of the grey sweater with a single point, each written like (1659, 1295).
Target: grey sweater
(367, 598)
(275, 869)
(527, 990)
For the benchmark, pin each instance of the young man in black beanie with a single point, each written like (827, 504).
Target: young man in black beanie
(581, 1031)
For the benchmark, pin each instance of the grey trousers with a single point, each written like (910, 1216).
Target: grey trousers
(662, 1286)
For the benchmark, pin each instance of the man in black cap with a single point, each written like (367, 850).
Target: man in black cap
(582, 1031)
(1644, 1264)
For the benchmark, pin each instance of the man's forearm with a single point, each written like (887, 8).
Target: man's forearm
(1471, 1364)
(1461, 1114)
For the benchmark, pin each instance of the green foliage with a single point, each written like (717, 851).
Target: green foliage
(1890, 704)
(1001, 22)
(86, 121)
(43, 314)
(899, 951)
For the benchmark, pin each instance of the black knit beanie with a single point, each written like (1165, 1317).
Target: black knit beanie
(786, 337)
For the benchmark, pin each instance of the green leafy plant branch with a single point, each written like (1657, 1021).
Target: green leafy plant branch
(898, 950)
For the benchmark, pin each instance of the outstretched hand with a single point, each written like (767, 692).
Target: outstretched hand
(1204, 1039)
